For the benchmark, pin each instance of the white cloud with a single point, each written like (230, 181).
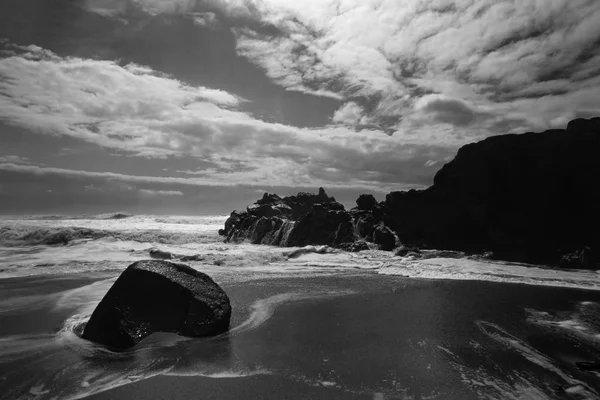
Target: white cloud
(512, 60)
(350, 114)
(133, 109)
(478, 52)
(14, 159)
(206, 19)
(155, 193)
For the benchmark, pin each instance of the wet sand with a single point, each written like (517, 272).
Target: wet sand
(348, 336)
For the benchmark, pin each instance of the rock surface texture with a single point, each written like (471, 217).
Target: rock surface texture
(531, 197)
(158, 296)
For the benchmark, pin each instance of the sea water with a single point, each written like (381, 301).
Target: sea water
(373, 301)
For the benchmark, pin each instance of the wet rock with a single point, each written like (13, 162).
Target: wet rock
(405, 251)
(528, 197)
(354, 247)
(384, 237)
(160, 254)
(579, 259)
(158, 296)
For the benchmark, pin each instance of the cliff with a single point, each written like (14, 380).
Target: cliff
(531, 197)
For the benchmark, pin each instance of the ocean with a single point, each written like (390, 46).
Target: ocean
(313, 323)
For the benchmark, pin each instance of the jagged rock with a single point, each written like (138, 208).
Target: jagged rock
(405, 251)
(287, 221)
(268, 199)
(580, 259)
(366, 202)
(354, 247)
(158, 296)
(322, 225)
(384, 237)
(160, 254)
(528, 197)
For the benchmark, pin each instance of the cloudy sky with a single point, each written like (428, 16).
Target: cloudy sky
(199, 106)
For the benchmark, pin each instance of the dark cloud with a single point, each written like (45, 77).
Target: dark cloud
(450, 111)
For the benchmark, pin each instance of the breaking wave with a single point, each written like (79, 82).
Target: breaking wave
(32, 236)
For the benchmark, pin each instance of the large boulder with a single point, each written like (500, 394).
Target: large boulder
(158, 296)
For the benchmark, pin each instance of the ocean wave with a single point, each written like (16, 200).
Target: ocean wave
(33, 236)
(116, 215)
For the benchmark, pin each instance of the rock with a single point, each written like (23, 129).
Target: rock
(384, 237)
(263, 210)
(322, 225)
(195, 257)
(285, 221)
(366, 202)
(528, 197)
(268, 199)
(520, 196)
(354, 247)
(405, 251)
(158, 296)
(579, 259)
(160, 254)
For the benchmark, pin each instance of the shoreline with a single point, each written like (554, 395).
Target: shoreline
(343, 336)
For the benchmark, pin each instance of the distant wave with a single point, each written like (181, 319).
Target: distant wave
(32, 236)
(57, 217)
(117, 215)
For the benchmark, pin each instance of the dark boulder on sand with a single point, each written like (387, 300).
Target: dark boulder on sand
(158, 296)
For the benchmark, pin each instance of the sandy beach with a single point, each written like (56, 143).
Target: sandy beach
(350, 336)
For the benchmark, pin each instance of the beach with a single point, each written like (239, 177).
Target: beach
(317, 325)
(350, 336)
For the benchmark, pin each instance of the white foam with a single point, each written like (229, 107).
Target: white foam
(134, 236)
(493, 271)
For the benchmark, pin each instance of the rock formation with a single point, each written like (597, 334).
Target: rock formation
(530, 197)
(158, 296)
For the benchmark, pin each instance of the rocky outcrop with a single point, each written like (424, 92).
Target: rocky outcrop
(304, 219)
(528, 197)
(158, 296)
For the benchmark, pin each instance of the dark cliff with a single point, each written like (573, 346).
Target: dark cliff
(531, 197)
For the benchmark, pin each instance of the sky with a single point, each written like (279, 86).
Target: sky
(200, 106)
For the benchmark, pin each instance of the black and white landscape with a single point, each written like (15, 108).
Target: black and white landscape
(315, 199)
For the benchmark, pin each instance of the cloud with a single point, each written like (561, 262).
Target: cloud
(446, 110)
(100, 101)
(350, 114)
(518, 64)
(136, 111)
(207, 19)
(487, 54)
(12, 159)
(154, 193)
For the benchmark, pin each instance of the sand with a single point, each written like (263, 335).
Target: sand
(352, 336)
